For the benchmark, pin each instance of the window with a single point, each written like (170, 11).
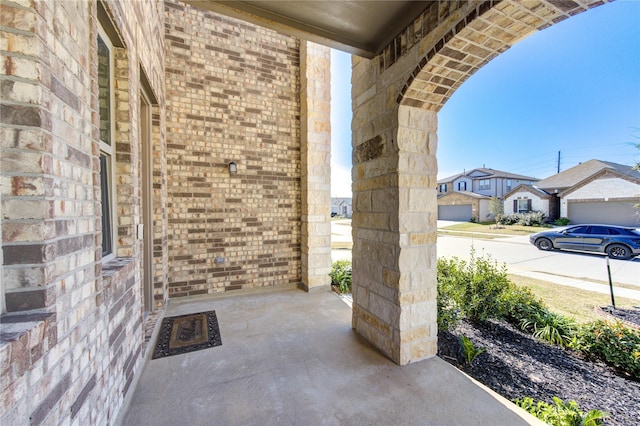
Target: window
(522, 205)
(509, 183)
(107, 155)
(484, 184)
(443, 187)
(462, 186)
(600, 230)
(578, 230)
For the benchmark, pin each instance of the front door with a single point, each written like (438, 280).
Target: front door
(147, 209)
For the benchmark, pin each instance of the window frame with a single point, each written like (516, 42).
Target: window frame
(575, 230)
(107, 151)
(527, 208)
(482, 186)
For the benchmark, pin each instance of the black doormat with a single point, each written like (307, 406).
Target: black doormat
(187, 333)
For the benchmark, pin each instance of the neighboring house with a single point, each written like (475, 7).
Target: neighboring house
(484, 181)
(591, 192)
(596, 192)
(341, 207)
(526, 198)
(466, 196)
(463, 206)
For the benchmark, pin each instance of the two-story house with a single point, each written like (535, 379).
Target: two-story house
(465, 196)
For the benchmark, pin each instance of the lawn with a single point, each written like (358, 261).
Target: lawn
(490, 228)
(569, 301)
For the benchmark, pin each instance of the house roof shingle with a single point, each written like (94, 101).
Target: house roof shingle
(530, 188)
(465, 193)
(577, 174)
(486, 173)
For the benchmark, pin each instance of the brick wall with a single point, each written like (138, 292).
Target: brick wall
(606, 187)
(72, 341)
(232, 95)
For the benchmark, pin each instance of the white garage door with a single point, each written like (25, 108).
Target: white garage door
(458, 212)
(605, 212)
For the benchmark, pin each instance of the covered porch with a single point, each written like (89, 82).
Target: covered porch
(290, 357)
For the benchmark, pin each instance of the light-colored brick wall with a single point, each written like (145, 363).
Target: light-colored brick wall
(606, 188)
(232, 95)
(72, 343)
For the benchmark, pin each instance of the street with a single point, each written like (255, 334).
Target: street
(519, 255)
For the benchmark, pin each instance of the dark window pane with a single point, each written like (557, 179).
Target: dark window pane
(600, 230)
(104, 91)
(578, 230)
(107, 243)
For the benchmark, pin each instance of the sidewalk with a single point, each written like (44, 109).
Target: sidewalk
(583, 285)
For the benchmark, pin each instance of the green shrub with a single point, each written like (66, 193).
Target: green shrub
(529, 313)
(613, 343)
(472, 288)
(520, 303)
(525, 219)
(561, 413)
(341, 275)
(549, 326)
(562, 221)
(448, 313)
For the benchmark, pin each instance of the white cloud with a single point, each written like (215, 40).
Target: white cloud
(340, 181)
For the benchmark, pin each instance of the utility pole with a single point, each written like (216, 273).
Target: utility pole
(558, 162)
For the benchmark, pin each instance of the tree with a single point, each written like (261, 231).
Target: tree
(496, 208)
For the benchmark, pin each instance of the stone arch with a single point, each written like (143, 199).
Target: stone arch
(396, 97)
(482, 34)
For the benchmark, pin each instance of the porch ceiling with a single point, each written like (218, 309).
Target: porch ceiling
(359, 27)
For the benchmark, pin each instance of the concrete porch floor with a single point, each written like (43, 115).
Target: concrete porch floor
(291, 358)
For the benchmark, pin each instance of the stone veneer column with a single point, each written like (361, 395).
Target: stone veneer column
(394, 255)
(417, 216)
(315, 140)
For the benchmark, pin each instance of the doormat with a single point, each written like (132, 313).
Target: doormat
(187, 333)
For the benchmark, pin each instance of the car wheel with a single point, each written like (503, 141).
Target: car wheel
(544, 244)
(618, 251)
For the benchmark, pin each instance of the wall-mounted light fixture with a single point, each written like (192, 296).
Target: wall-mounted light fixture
(233, 168)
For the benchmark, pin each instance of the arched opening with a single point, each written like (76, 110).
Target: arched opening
(569, 88)
(394, 138)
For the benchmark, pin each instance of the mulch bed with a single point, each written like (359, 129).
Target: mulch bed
(516, 365)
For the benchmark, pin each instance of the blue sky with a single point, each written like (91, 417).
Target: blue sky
(573, 88)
